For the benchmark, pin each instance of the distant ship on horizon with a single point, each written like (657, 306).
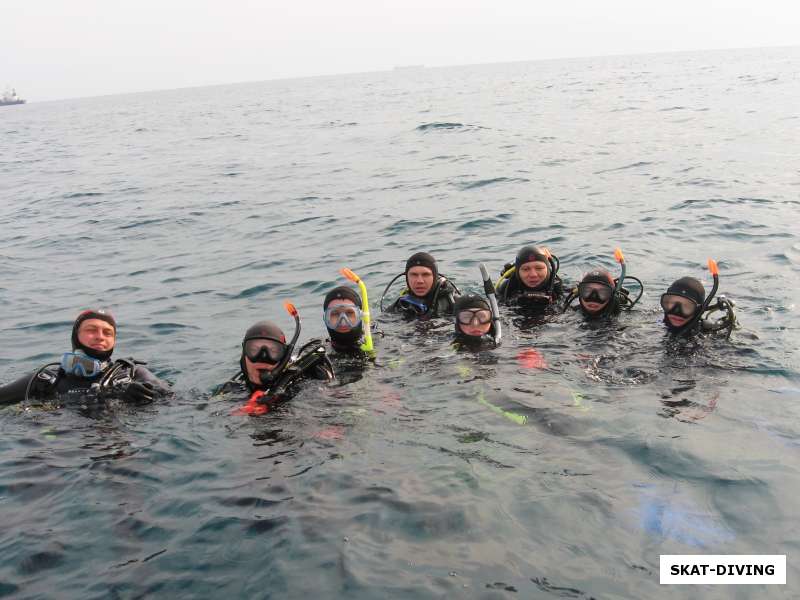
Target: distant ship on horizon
(10, 97)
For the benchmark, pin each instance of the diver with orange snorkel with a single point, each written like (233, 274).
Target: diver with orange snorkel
(687, 310)
(268, 370)
(601, 295)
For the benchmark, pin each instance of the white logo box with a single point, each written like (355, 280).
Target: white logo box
(731, 569)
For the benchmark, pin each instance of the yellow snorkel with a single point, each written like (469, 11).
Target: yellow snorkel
(505, 275)
(367, 345)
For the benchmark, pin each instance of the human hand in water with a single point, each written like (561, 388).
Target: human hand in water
(139, 392)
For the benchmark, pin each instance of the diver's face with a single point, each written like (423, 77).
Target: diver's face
(97, 335)
(591, 297)
(339, 308)
(677, 321)
(254, 370)
(420, 281)
(474, 322)
(678, 310)
(476, 329)
(593, 307)
(533, 274)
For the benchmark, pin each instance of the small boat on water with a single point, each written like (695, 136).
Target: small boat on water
(10, 97)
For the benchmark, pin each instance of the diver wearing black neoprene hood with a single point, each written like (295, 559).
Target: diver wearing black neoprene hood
(600, 295)
(532, 281)
(473, 322)
(88, 373)
(268, 371)
(687, 309)
(683, 305)
(343, 319)
(428, 293)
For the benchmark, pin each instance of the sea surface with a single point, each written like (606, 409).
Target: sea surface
(193, 213)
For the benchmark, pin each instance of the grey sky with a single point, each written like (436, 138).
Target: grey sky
(58, 49)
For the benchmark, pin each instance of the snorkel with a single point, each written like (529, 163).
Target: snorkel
(714, 269)
(554, 266)
(728, 321)
(268, 377)
(350, 275)
(621, 294)
(620, 258)
(490, 294)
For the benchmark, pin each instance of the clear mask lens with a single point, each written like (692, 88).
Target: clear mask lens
(342, 316)
(481, 315)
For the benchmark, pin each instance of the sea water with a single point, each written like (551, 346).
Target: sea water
(194, 213)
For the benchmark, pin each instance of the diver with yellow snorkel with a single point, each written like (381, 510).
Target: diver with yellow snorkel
(346, 314)
(532, 281)
(600, 295)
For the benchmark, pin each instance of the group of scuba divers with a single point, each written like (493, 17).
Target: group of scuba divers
(270, 368)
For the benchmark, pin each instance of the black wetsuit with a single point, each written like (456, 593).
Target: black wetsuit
(51, 382)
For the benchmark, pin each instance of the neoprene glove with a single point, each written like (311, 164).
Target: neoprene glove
(140, 392)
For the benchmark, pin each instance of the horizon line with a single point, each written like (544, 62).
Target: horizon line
(403, 67)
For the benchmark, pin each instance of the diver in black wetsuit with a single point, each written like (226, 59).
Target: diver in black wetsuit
(343, 319)
(88, 371)
(428, 294)
(600, 295)
(342, 315)
(532, 281)
(687, 310)
(268, 372)
(475, 325)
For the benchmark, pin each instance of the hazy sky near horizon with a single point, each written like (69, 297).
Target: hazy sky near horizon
(55, 49)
